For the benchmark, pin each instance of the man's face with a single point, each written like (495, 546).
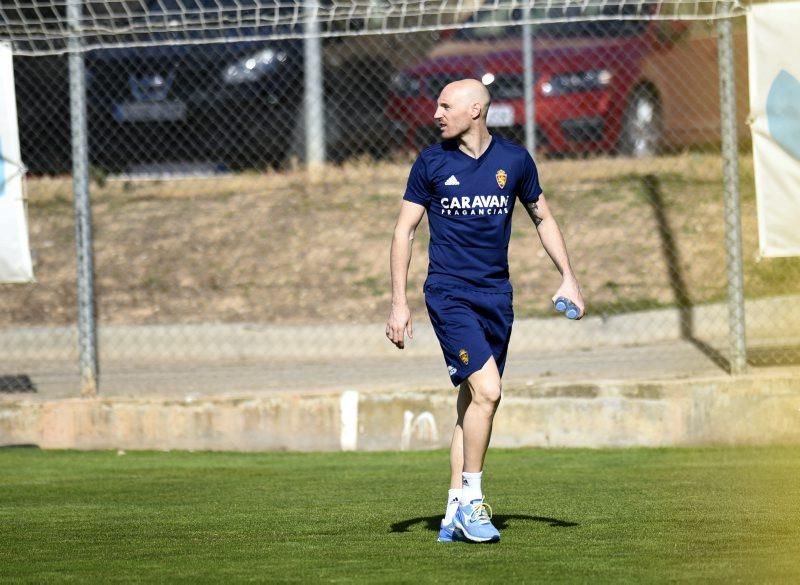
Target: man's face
(453, 113)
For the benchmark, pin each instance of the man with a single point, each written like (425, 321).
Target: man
(468, 185)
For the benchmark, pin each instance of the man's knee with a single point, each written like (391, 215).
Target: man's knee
(487, 392)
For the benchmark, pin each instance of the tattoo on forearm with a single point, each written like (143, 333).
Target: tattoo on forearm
(533, 211)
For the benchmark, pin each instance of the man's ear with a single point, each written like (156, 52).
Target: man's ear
(476, 110)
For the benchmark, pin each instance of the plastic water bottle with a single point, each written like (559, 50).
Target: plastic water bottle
(566, 306)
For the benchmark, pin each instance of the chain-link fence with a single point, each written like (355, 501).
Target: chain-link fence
(221, 263)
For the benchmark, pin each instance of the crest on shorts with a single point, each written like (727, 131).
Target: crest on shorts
(463, 356)
(501, 177)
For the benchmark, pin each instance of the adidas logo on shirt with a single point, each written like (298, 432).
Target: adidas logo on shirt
(452, 181)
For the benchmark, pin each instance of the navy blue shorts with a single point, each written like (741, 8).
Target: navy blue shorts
(471, 327)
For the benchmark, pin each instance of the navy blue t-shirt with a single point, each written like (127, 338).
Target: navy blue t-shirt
(470, 202)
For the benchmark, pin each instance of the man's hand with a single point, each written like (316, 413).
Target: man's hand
(398, 323)
(569, 288)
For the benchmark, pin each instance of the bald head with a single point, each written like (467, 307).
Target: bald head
(461, 109)
(469, 92)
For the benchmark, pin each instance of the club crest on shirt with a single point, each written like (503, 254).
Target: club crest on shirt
(463, 356)
(501, 177)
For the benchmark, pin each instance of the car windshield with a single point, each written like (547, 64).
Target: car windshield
(498, 22)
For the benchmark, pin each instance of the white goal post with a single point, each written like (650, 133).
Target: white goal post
(42, 27)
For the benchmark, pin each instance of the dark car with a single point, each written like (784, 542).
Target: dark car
(589, 87)
(234, 103)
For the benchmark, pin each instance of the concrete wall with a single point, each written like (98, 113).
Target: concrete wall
(753, 409)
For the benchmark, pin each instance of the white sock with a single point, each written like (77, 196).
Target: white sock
(471, 487)
(453, 495)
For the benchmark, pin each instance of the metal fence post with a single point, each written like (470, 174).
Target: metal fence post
(87, 326)
(313, 99)
(530, 90)
(730, 178)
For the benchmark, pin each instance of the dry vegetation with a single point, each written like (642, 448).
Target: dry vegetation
(283, 248)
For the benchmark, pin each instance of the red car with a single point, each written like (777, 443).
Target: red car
(590, 91)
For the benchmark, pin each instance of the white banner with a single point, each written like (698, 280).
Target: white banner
(15, 255)
(774, 54)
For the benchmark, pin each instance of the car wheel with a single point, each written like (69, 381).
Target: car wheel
(642, 124)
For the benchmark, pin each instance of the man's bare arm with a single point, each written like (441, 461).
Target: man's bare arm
(399, 321)
(553, 242)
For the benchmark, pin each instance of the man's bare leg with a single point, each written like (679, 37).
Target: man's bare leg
(457, 445)
(456, 465)
(485, 390)
(472, 519)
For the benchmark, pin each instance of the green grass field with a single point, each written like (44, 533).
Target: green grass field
(638, 515)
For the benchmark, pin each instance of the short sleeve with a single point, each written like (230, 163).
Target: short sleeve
(418, 187)
(530, 189)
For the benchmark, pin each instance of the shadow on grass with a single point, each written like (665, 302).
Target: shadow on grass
(501, 522)
(20, 446)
